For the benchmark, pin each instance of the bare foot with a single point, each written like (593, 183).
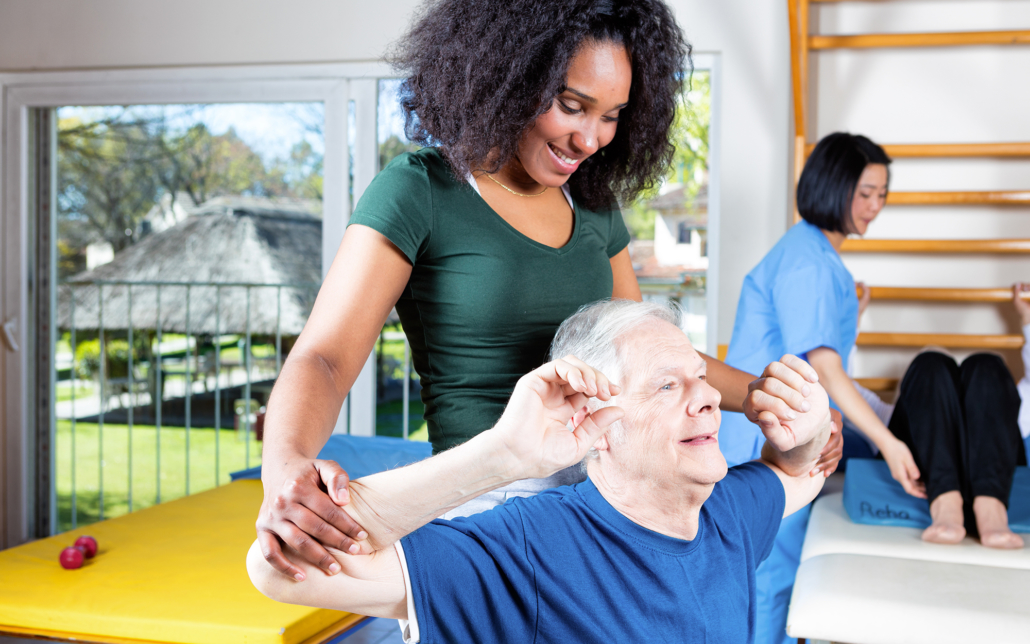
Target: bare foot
(948, 525)
(992, 521)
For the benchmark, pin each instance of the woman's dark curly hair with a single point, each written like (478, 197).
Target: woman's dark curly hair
(479, 72)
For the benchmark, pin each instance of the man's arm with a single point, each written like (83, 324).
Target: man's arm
(532, 439)
(370, 584)
(799, 490)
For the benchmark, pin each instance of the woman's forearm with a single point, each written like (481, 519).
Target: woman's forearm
(729, 382)
(842, 391)
(303, 408)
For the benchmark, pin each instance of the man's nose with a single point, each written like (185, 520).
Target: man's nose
(704, 400)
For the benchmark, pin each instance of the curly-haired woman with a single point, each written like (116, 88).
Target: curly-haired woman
(539, 117)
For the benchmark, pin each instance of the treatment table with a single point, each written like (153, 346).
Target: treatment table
(175, 572)
(867, 584)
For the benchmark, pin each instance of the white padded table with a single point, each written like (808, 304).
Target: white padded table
(865, 584)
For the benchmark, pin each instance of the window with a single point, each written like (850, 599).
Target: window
(48, 242)
(188, 257)
(671, 227)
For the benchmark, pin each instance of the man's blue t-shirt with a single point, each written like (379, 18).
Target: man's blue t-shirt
(565, 566)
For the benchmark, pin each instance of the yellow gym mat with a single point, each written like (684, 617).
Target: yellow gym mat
(175, 572)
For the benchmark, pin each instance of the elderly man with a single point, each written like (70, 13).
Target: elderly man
(660, 543)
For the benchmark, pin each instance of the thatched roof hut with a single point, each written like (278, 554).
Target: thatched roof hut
(232, 241)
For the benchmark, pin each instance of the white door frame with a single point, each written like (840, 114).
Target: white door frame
(335, 84)
(713, 63)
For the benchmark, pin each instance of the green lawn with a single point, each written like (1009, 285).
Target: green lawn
(82, 390)
(202, 476)
(232, 457)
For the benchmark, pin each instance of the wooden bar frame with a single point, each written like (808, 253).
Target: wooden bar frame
(966, 198)
(941, 39)
(901, 293)
(947, 340)
(879, 384)
(801, 45)
(950, 150)
(982, 246)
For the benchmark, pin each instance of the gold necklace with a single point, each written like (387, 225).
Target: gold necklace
(517, 194)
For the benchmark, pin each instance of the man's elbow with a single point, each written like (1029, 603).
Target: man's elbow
(265, 578)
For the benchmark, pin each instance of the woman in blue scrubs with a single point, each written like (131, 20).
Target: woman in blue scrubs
(801, 299)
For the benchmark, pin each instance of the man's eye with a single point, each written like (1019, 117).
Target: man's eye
(666, 387)
(705, 378)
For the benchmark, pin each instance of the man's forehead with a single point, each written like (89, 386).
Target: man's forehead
(660, 346)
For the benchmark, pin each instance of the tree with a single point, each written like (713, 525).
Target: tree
(113, 169)
(105, 177)
(689, 167)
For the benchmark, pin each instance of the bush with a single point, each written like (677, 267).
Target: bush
(87, 359)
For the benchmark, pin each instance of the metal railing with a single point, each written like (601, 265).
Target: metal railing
(197, 309)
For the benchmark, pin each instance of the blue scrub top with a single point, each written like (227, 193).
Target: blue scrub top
(800, 297)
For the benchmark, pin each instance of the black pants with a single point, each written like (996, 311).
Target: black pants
(961, 424)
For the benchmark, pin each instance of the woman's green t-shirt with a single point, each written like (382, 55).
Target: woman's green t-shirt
(483, 301)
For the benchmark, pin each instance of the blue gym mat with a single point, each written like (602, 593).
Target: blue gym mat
(872, 497)
(362, 455)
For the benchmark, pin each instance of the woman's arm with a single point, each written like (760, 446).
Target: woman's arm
(365, 280)
(624, 280)
(828, 365)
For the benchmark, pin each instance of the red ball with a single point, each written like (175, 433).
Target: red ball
(88, 545)
(72, 557)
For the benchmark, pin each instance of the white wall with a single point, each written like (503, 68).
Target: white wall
(752, 40)
(941, 95)
(76, 34)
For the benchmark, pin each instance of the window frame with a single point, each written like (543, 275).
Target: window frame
(336, 85)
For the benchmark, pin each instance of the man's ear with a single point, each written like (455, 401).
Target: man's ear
(601, 444)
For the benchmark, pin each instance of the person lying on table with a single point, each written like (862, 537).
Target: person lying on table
(660, 543)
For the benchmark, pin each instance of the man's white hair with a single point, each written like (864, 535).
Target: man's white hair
(592, 334)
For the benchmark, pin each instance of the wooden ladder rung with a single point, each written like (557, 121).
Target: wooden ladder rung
(947, 340)
(878, 384)
(936, 246)
(868, 41)
(939, 150)
(986, 198)
(942, 294)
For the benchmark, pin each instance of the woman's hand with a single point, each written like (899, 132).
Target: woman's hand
(830, 457)
(863, 301)
(297, 510)
(1022, 306)
(903, 467)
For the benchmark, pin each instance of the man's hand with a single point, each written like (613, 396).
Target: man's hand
(298, 511)
(535, 425)
(781, 403)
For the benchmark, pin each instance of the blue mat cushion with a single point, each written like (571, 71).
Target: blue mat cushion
(872, 497)
(362, 455)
